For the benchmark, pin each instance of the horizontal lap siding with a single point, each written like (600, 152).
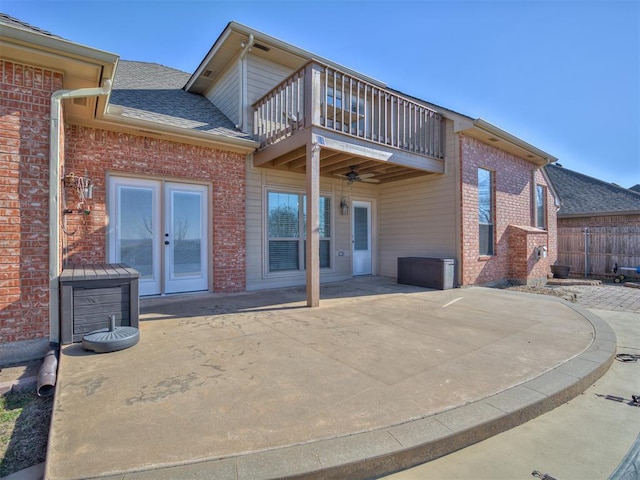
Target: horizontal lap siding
(225, 94)
(262, 76)
(261, 180)
(417, 218)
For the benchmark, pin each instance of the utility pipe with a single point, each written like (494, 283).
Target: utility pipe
(54, 196)
(48, 373)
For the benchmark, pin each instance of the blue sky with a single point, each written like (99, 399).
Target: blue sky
(563, 75)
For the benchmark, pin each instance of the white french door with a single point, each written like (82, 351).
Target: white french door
(361, 240)
(185, 237)
(160, 229)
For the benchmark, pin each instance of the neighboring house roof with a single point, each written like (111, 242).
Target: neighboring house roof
(635, 188)
(581, 195)
(153, 93)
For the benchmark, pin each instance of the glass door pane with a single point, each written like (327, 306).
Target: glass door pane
(134, 229)
(185, 238)
(361, 254)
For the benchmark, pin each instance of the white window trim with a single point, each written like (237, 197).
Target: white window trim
(265, 232)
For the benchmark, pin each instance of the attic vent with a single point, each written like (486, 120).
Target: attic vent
(207, 73)
(80, 101)
(493, 139)
(261, 47)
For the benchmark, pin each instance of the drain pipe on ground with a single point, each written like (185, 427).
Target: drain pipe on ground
(48, 371)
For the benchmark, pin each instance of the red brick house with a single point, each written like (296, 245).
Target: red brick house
(210, 181)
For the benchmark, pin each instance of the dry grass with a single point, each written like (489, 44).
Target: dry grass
(24, 429)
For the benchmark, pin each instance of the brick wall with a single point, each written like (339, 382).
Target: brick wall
(525, 266)
(513, 179)
(25, 94)
(99, 152)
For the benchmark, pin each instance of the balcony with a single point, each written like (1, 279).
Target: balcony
(356, 123)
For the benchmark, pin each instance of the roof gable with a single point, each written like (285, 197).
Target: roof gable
(153, 93)
(583, 195)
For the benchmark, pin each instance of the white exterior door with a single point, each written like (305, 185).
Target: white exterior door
(185, 238)
(361, 237)
(160, 229)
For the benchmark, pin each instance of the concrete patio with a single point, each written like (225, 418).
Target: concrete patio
(379, 377)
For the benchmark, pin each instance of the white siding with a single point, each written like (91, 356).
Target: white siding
(225, 94)
(261, 180)
(418, 217)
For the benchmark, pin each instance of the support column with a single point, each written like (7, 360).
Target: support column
(313, 225)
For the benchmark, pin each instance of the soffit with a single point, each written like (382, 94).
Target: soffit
(81, 67)
(492, 135)
(227, 51)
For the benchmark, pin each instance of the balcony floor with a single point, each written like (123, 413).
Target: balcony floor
(340, 152)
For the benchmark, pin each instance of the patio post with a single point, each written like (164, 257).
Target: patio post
(313, 224)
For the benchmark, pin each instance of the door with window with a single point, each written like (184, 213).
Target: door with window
(160, 229)
(361, 241)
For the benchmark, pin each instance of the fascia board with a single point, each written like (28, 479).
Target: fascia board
(260, 37)
(508, 137)
(142, 127)
(57, 45)
(551, 188)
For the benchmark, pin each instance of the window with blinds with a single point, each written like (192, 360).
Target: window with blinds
(287, 230)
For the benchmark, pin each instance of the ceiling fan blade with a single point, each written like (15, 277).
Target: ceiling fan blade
(367, 175)
(369, 180)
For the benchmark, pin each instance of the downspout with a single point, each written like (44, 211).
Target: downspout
(54, 197)
(242, 124)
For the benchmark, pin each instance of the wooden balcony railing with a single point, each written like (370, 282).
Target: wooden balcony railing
(344, 103)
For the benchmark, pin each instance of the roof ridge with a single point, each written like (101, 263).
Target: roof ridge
(154, 63)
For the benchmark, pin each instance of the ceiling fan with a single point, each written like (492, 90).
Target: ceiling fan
(352, 176)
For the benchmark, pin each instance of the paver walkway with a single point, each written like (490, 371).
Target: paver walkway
(608, 297)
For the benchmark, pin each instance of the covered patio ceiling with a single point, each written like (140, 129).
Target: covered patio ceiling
(335, 163)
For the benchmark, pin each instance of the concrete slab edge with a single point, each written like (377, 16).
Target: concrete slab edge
(14, 353)
(391, 449)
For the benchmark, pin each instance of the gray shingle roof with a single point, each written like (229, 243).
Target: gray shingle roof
(581, 194)
(635, 188)
(14, 22)
(153, 92)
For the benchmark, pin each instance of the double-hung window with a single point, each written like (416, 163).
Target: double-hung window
(287, 228)
(541, 206)
(485, 211)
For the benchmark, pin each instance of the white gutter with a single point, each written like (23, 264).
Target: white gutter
(54, 198)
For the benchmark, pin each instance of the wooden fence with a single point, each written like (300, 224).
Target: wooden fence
(600, 248)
